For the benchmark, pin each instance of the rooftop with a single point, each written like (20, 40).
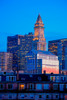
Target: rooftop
(42, 52)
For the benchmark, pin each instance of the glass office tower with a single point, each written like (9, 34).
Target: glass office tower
(59, 48)
(19, 45)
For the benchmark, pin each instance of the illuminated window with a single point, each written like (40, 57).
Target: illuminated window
(22, 86)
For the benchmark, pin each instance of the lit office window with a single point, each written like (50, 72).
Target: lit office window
(22, 86)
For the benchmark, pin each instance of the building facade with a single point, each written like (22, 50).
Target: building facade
(6, 61)
(33, 87)
(38, 61)
(19, 45)
(59, 48)
(39, 41)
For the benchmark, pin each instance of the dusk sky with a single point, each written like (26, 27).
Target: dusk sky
(19, 17)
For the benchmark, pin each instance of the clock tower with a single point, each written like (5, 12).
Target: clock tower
(39, 42)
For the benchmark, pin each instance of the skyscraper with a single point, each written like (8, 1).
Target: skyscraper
(6, 61)
(19, 45)
(39, 42)
(59, 48)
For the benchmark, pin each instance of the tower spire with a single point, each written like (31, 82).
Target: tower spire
(39, 20)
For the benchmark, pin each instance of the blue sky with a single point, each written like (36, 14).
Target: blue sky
(19, 17)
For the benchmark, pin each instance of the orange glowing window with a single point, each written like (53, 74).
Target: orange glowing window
(22, 86)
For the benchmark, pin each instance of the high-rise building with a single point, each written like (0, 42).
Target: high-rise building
(39, 42)
(39, 61)
(59, 48)
(19, 45)
(6, 61)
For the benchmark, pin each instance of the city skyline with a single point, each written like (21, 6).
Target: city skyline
(33, 49)
(29, 52)
(18, 18)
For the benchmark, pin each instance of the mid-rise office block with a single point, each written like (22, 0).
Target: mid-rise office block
(6, 61)
(59, 48)
(39, 61)
(19, 45)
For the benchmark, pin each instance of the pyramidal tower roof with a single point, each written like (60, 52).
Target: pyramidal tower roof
(39, 20)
